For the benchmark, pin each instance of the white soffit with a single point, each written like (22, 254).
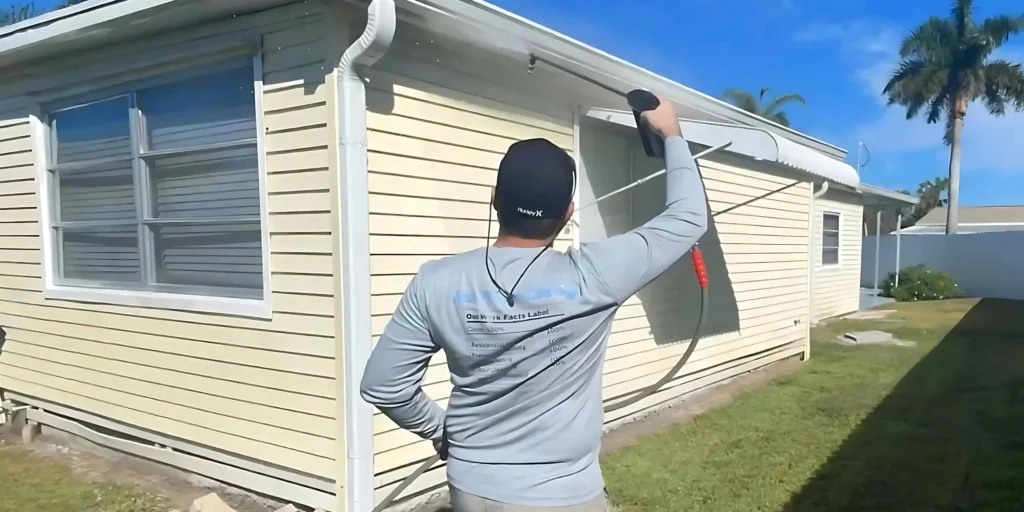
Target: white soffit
(754, 143)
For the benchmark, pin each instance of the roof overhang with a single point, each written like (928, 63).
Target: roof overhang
(101, 22)
(885, 196)
(755, 143)
(96, 22)
(488, 26)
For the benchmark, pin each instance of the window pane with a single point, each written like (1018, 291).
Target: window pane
(104, 192)
(831, 222)
(92, 132)
(198, 111)
(209, 185)
(830, 240)
(830, 257)
(109, 253)
(228, 256)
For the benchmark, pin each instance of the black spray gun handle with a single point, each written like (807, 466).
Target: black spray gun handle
(643, 101)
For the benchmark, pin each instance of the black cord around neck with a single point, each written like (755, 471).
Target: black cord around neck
(487, 263)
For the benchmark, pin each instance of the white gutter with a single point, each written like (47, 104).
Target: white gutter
(70, 20)
(354, 209)
(810, 265)
(752, 142)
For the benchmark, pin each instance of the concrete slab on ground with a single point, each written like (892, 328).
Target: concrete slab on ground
(873, 338)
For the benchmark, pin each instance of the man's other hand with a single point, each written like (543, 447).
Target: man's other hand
(441, 447)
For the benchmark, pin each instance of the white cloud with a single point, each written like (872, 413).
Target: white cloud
(871, 48)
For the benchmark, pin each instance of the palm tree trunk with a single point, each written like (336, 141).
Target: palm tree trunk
(954, 175)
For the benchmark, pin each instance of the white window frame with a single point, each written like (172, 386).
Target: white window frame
(839, 248)
(54, 290)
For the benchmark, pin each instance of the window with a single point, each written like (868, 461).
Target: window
(830, 239)
(157, 188)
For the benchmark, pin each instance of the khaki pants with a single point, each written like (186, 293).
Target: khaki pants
(465, 502)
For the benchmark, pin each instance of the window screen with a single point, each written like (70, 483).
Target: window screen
(158, 188)
(830, 239)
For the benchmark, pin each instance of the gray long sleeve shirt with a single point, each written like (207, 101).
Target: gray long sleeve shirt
(525, 416)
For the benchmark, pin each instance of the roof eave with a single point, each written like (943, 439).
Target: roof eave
(752, 142)
(887, 194)
(601, 65)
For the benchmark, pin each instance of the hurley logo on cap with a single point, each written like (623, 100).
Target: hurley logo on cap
(532, 213)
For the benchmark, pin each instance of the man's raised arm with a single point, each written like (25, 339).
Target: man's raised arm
(626, 263)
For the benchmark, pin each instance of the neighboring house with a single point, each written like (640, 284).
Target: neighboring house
(972, 219)
(206, 218)
(838, 242)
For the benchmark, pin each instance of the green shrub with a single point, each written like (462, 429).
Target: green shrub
(918, 283)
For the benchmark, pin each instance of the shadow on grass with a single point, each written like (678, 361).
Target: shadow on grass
(950, 435)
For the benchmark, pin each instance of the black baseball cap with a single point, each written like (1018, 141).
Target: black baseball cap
(536, 179)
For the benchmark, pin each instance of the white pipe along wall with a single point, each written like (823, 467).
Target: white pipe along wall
(354, 210)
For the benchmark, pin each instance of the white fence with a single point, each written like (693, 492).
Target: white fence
(989, 265)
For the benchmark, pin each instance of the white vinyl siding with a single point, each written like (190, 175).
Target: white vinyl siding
(763, 244)
(440, 121)
(837, 285)
(260, 388)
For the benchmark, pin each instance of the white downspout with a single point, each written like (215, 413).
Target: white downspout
(899, 230)
(355, 251)
(810, 265)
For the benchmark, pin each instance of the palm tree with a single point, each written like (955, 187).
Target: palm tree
(945, 66)
(772, 111)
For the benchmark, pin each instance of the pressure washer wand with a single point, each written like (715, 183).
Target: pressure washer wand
(645, 179)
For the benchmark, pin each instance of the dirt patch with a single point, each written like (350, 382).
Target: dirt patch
(696, 404)
(94, 463)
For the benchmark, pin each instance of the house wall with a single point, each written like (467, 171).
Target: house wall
(836, 290)
(258, 388)
(439, 122)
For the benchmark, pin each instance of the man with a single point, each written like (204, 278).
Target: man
(524, 330)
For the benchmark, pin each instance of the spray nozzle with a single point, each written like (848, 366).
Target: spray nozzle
(533, 64)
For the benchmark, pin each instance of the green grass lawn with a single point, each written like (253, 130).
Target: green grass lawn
(936, 427)
(32, 483)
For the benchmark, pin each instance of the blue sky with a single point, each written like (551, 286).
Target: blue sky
(835, 54)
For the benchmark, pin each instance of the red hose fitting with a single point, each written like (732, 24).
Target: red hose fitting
(699, 267)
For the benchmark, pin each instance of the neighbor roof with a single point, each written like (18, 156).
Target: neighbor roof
(977, 215)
